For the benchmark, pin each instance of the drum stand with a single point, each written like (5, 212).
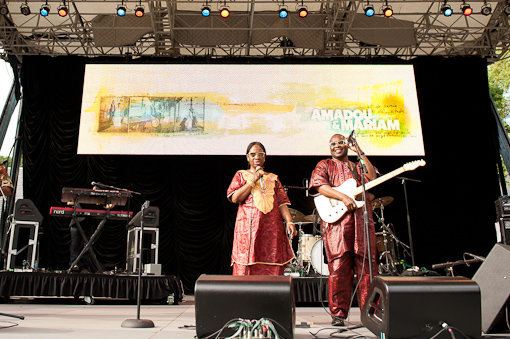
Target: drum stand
(298, 265)
(389, 267)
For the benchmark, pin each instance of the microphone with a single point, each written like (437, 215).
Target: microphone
(477, 257)
(261, 181)
(94, 183)
(350, 138)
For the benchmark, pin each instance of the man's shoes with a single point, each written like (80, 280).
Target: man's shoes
(338, 321)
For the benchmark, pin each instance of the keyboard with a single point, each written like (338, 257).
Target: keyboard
(68, 212)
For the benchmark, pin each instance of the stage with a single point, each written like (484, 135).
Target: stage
(61, 318)
(122, 286)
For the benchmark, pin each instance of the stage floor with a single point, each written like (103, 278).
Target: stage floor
(66, 318)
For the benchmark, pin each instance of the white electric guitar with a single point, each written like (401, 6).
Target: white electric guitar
(331, 210)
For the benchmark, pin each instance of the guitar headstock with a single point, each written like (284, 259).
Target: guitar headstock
(411, 166)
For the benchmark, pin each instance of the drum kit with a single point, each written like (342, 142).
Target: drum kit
(310, 257)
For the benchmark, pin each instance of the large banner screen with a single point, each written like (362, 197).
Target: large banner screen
(209, 109)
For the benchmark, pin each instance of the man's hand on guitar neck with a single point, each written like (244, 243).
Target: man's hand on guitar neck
(329, 192)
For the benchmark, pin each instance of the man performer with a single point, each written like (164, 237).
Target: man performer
(344, 239)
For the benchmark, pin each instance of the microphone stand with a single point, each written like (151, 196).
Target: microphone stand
(366, 218)
(409, 217)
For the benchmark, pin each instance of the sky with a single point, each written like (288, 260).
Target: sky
(5, 86)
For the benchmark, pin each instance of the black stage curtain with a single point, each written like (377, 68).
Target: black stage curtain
(451, 210)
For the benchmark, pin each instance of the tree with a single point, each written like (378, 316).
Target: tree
(499, 86)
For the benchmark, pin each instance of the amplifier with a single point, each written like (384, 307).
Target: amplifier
(502, 206)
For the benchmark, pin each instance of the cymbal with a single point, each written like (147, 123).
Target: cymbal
(384, 201)
(296, 215)
(311, 216)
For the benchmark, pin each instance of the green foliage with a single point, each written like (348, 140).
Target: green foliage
(2, 159)
(499, 86)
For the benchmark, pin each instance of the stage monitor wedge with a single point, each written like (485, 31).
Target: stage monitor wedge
(221, 298)
(418, 307)
(493, 277)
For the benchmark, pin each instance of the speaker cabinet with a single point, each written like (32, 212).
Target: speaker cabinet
(493, 277)
(221, 298)
(416, 307)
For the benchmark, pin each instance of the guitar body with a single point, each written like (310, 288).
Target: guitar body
(331, 210)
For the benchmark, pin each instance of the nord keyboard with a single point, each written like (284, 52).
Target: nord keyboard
(68, 212)
(95, 196)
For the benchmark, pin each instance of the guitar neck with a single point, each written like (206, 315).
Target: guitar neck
(377, 181)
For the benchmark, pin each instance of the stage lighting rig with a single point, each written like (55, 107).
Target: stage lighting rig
(283, 12)
(62, 10)
(206, 10)
(121, 9)
(446, 9)
(4, 10)
(303, 12)
(45, 9)
(225, 12)
(139, 10)
(486, 9)
(466, 9)
(387, 11)
(25, 9)
(369, 10)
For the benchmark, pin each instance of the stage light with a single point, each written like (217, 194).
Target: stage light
(303, 12)
(25, 10)
(4, 10)
(446, 10)
(486, 9)
(139, 10)
(283, 13)
(45, 10)
(121, 10)
(507, 9)
(62, 10)
(466, 9)
(369, 10)
(224, 12)
(388, 11)
(206, 10)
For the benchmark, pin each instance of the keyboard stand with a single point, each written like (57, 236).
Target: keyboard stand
(89, 243)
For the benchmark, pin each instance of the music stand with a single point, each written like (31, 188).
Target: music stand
(139, 323)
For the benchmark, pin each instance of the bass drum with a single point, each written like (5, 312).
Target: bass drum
(319, 259)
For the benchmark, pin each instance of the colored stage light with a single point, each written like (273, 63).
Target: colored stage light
(224, 12)
(446, 10)
(121, 10)
(466, 9)
(507, 9)
(369, 10)
(62, 10)
(45, 10)
(303, 12)
(486, 9)
(283, 13)
(206, 11)
(388, 11)
(25, 10)
(139, 10)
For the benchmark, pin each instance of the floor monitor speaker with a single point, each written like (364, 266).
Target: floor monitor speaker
(221, 298)
(419, 307)
(493, 277)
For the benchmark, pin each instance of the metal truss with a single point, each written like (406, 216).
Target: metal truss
(175, 28)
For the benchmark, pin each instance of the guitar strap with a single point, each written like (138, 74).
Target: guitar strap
(354, 173)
